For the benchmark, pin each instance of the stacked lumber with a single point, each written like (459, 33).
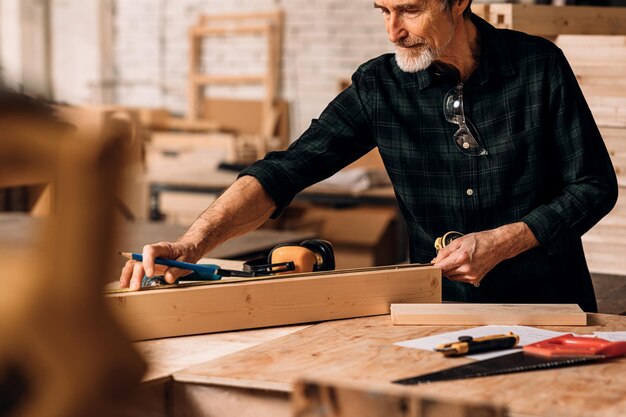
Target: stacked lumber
(598, 62)
(594, 42)
(552, 21)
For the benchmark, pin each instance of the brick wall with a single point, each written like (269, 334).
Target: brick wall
(325, 41)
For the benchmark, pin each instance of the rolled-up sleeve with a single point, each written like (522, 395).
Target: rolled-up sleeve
(589, 185)
(341, 135)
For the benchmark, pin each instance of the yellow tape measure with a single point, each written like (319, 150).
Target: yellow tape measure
(443, 241)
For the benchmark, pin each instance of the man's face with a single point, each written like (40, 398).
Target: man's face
(420, 30)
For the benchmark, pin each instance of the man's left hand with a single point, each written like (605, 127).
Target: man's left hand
(470, 257)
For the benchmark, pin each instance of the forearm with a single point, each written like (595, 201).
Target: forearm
(514, 238)
(243, 207)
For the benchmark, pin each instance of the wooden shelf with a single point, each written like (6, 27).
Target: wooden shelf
(239, 30)
(205, 80)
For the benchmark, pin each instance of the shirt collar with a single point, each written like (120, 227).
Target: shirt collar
(494, 56)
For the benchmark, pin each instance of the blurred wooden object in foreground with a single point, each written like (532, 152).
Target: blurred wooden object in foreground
(89, 124)
(315, 398)
(62, 354)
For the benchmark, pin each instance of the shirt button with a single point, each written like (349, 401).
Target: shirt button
(469, 192)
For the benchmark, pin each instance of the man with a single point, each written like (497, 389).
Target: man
(482, 131)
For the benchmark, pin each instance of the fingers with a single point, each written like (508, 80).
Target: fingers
(126, 274)
(137, 276)
(165, 250)
(453, 261)
(470, 279)
(151, 252)
(132, 275)
(133, 272)
(447, 250)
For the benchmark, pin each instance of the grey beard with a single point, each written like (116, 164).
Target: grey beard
(410, 62)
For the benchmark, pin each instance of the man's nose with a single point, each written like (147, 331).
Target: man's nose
(395, 28)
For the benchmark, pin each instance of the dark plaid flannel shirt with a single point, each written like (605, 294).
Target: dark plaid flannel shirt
(547, 164)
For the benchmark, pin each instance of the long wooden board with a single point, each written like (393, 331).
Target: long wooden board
(484, 314)
(272, 302)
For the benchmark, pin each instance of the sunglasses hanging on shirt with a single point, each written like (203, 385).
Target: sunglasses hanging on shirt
(466, 137)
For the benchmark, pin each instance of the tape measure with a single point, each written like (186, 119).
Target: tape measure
(445, 240)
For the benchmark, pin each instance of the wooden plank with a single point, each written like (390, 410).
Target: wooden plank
(552, 21)
(204, 19)
(271, 302)
(192, 125)
(598, 62)
(615, 141)
(194, 93)
(200, 79)
(605, 49)
(362, 351)
(317, 398)
(605, 256)
(481, 10)
(484, 314)
(227, 30)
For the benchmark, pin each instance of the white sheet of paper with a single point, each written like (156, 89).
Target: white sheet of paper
(527, 335)
(612, 336)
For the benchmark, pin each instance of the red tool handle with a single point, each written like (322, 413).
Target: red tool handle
(570, 345)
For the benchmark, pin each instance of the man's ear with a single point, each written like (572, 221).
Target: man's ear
(459, 7)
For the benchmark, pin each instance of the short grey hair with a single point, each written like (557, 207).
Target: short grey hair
(447, 5)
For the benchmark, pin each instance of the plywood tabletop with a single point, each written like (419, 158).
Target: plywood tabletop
(362, 350)
(167, 356)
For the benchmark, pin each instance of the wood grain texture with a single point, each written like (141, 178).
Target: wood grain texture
(362, 351)
(484, 314)
(314, 398)
(167, 356)
(251, 304)
(553, 21)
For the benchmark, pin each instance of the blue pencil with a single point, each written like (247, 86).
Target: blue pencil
(208, 269)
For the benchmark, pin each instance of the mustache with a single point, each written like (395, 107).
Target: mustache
(410, 43)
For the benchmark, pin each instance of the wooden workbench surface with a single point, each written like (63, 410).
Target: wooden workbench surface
(362, 351)
(168, 356)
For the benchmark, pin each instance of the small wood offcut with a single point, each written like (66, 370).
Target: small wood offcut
(485, 314)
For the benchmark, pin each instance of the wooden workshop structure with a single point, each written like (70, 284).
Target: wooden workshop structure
(113, 173)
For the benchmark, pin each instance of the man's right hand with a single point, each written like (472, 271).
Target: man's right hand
(243, 207)
(133, 272)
